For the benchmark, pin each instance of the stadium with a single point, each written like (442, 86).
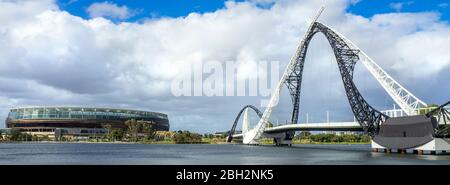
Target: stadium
(79, 121)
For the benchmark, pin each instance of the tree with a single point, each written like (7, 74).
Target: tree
(136, 127)
(164, 135)
(15, 135)
(305, 134)
(183, 137)
(133, 129)
(117, 134)
(148, 129)
(109, 128)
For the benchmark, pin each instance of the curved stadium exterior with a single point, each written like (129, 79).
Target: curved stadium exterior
(83, 119)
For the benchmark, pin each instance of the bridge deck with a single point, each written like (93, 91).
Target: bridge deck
(336, 126)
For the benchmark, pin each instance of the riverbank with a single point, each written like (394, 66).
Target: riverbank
(93, 141)
(185, 137)
(173, 142)
(316, 143)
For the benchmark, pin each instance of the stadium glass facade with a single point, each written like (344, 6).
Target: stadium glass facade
(47, 119)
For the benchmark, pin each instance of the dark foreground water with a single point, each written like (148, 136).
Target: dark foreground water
(54, 153)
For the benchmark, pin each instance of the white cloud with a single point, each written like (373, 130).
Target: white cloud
(109, 10)
(69, 2)
(443, 5)
(399, 6)
(49, 57)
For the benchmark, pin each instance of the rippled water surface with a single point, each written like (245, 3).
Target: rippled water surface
(74, 153)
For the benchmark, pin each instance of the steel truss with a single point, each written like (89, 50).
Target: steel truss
(347, 54)
(442, 114)
(233, 128)
(368, 117)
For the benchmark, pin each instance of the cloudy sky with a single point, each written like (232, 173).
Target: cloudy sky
(125, 54)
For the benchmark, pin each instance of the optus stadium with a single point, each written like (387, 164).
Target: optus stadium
(79, 121)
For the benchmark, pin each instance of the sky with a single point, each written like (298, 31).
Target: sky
(126, 54)
(140, 10)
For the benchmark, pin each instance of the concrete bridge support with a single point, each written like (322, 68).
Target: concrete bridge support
(280, 139)
(434, 147)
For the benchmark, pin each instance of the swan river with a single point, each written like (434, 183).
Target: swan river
(226, 154)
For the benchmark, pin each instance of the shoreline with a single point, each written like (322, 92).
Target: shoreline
(170, 143)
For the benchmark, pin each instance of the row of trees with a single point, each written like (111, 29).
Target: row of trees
(136, 130)
(186, 137)
(332, 138)
(143, 131)
(16, 135)
(139, 131)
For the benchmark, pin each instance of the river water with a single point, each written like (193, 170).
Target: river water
(143, 154)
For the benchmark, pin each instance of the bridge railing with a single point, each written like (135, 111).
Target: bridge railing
(399, 112)
(393, 113)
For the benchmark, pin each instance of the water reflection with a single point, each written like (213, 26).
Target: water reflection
(48, 153)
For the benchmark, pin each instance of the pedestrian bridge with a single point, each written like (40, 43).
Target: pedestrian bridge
(332, 126)
(328, 126)
(336, 126)
(422, 130)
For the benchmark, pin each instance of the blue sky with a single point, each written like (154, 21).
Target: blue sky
(177, 8)
(367, 8)
(133, 65)
(147, 8)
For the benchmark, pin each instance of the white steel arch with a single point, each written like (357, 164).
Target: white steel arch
(252, 137)
(405, 99)
(246, 121)
(402, 97)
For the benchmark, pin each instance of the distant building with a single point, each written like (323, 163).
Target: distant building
(220, 134)
(78, 121)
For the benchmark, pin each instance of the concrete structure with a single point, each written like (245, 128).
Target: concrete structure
(435, 146)
(78, 121)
